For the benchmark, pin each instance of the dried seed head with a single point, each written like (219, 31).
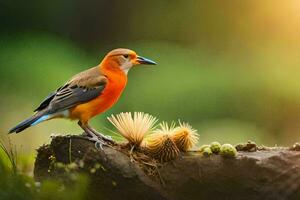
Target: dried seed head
(133, 128)
(184, 136)
(160, 146)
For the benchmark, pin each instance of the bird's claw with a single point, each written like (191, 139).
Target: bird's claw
(99, 145)
(108, 138)
(98, 142)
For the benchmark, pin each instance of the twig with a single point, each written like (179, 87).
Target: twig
(70, 150)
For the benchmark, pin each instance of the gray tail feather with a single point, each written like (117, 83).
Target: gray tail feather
(26, 123)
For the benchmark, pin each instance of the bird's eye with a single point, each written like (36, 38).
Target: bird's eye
(126, 56)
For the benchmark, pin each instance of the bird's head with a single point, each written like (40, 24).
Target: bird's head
(124, 59)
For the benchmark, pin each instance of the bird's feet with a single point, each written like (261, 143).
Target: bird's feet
(102, 136)
(96, 137)
(99, 143)
(106, 138)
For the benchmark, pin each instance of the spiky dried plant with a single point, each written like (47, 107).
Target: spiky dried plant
(184, 136)
(133, 128)
(159, 144)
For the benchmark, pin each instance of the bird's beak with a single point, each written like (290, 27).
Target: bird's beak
(146, 61)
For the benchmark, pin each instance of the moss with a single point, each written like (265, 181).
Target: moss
(207, 151)
(201, 149)
(215, 147)
(227, 150)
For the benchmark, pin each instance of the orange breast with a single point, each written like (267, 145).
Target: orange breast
(109, 96)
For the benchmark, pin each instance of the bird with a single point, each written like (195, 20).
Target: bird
(88, 93)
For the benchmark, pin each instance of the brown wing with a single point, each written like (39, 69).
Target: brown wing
(82, 88)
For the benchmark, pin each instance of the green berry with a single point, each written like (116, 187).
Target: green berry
(227, 150)
(201, 149)
(207, 151)
(215, 147)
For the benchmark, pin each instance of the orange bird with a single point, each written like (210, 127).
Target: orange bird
(88, 93)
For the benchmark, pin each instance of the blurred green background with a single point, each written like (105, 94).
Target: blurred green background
(230, 68)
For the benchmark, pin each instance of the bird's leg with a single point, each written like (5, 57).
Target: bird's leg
(92, 136)
(102, 136)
